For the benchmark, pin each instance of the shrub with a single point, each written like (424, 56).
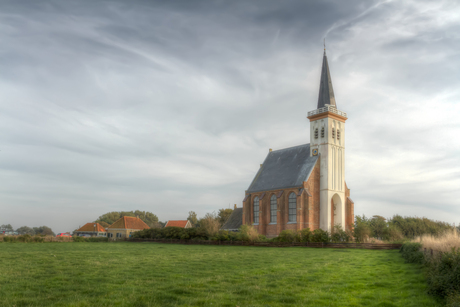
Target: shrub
(247, 233)
(320, 235)
(444, 275)
(288, 236)
(411, 252)
(305, 235)
(340, 235)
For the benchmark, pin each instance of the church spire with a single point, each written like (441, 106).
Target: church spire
(326, 92)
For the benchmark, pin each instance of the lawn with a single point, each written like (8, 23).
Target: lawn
(149, 274)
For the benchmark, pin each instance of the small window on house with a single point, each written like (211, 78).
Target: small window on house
(256, 210)
(273, 209)
(316, 133)
(292, 207)
(333, 133)
(338, 134)
(322, 132)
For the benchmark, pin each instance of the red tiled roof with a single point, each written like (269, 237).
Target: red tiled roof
(90, 227)
(181, 223)
(129, 222)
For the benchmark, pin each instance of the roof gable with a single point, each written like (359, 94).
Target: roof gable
(129, 222)
(234, 221)
(284, 168)
(90, 227)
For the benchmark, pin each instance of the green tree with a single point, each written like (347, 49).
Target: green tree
(223, 215)
(378, 225)
(362, 229)
(148, 217)
(104, 224)
(43, 230)
(192, 217)
(6, 227)
(24, 230)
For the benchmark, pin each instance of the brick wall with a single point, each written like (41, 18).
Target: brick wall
(307, 207)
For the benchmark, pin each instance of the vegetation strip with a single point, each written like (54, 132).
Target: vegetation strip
(274, 244)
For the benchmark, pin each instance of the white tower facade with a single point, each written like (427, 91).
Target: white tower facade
(327, 139)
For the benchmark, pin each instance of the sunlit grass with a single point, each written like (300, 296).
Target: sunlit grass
(146, 274)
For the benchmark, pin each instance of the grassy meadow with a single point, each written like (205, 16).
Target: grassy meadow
(146, 274)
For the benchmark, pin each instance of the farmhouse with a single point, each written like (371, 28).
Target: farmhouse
(125, 226)
(304, 186)
(91, 229)
(179, 223)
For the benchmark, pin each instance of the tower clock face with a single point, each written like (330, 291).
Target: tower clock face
(315, 152)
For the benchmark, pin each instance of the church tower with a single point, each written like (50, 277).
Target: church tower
(327, 140)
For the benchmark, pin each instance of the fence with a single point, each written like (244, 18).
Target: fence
(274, 244)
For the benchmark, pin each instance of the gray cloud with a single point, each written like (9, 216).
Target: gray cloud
(170, 106)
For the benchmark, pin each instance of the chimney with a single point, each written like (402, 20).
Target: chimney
(137, 216)
(270, 150)
(234, 207)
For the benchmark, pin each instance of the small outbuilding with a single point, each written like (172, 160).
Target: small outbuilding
(124, 227)
(179, 223)
(92, 230)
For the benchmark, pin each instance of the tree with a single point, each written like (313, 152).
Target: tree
(24, 230)
(192, 217)
(378, 226)
(104, 224)
(111, 217)
(223, 215)
(6, 227)
(209, 223)
(362, 229)
(43, 230)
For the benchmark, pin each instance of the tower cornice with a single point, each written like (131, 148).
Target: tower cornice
(327, 111)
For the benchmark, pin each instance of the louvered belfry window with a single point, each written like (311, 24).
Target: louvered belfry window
(338, 134)
(273, 208)
(322, 132)
(256, 210)
(316, 133)
(292, 207)
(333, 133)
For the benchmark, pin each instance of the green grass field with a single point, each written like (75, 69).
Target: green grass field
(146, 274)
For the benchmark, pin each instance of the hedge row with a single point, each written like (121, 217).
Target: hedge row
(442, 271)
(245, 233)
(43, 239)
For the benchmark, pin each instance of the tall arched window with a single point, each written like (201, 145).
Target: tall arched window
(273, 208)
(292, 207)
(256, 210)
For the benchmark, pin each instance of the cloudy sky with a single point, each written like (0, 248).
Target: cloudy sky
(170, 106)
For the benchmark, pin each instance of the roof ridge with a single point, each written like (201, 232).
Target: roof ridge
(291, 147)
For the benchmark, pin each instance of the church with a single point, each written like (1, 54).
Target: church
(303, 186)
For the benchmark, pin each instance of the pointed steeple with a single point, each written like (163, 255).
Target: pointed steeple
(326, 92)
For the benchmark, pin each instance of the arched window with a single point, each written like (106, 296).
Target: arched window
(322, 132)
(338, 134)
(333, 133)
(256, 210)
(316, 133)
(273, 208)
(292, 207)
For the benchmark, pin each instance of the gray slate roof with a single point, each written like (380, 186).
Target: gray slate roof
(326, 92)
(235, 220)
(284, 168)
